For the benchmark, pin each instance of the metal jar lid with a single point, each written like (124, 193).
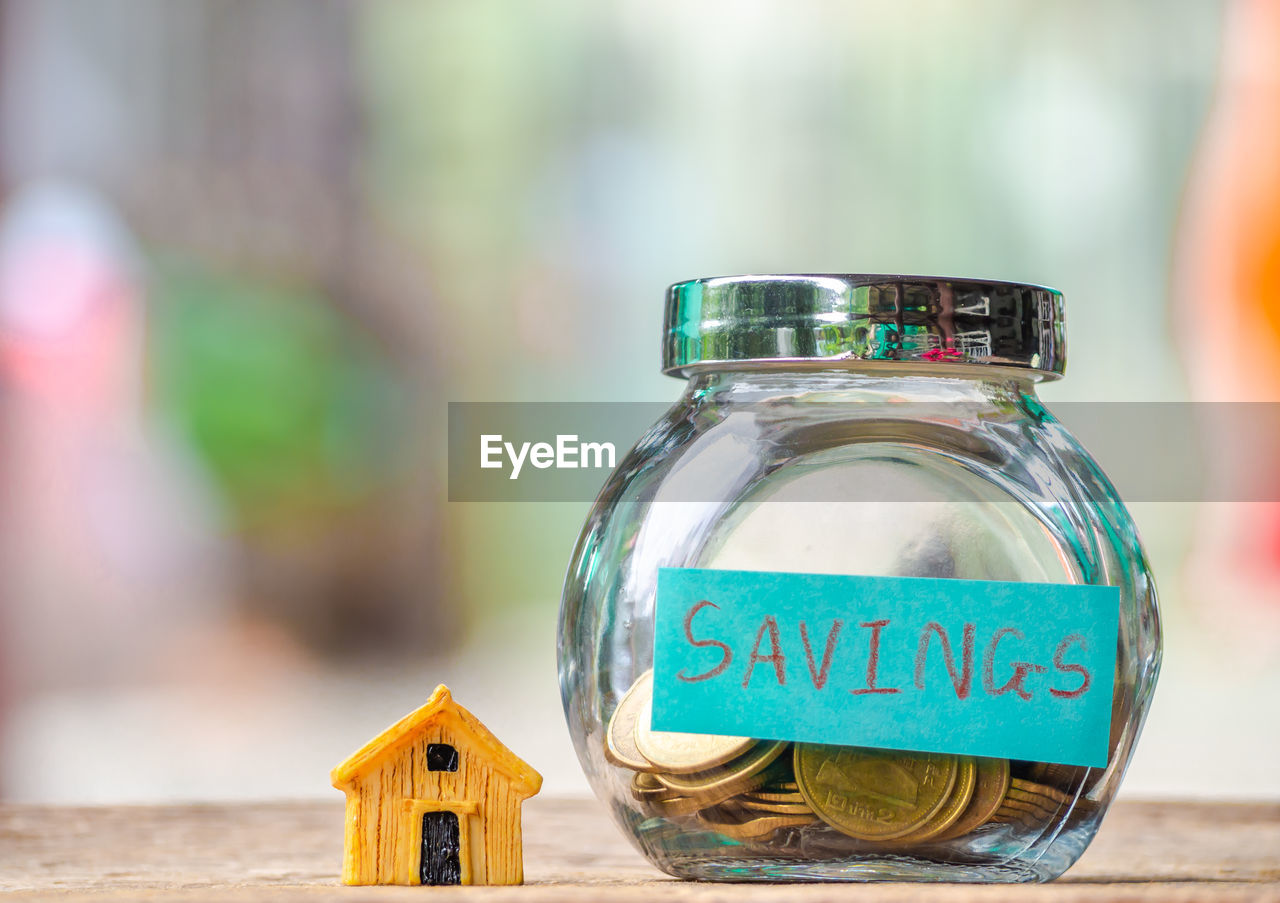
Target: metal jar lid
(735, 322)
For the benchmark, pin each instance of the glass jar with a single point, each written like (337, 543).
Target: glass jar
(851, 425)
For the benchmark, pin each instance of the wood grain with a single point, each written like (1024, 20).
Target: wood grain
(284, 851)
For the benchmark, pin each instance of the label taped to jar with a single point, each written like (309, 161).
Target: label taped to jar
(972, 667)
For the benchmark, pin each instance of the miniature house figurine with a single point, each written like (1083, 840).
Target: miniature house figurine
(434, 799)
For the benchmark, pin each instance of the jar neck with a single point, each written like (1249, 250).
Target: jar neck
(856, 385)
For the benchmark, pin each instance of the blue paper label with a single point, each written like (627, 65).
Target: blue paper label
(972, 667)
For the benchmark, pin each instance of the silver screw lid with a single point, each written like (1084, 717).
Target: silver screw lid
(735, 322)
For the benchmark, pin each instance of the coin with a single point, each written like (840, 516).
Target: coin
(645, 787)
(1006, 815)
(746, 772)
(678, 753)
(676, 806)
(658, 799)
(781, 787)
(731, 825)
(952, 809)
(874, 794)
(767, 796)
(990, 787)
(620, 746)
(751, 804)
(1039, 803)
(1063, 777)
(1039, 808)
(1028, 813)
(1021, 788)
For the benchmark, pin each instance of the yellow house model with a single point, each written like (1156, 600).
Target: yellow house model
(434, 799)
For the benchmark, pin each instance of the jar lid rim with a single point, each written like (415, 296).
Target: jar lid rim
(720, 322)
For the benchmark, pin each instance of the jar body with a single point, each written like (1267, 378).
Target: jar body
(844, 472)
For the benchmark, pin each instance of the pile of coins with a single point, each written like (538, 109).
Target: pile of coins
(756, 791)
(736, 786)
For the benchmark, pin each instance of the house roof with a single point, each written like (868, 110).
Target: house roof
(440, 706)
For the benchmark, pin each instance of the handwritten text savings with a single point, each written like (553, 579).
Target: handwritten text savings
(785, 651)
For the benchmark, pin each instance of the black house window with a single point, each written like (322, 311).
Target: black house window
(441, 757)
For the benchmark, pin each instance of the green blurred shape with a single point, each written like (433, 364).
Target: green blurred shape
(295, 410)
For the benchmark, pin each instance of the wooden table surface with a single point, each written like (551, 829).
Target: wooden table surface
(269, 851)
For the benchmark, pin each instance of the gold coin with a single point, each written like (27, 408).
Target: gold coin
(619, 737)
(1020, 817)
(1019, 787)
(676, 806)
(1008, 813)
(781, 787)
(678, 753)
(645, 787)
(744, 773)
(1016, 809)
(1038, 802)
(952, 809)
(765, 796)
(1043, 804)
(1027, 819)
(748, 829)
(989, 790)
(874, 794)
(1063, 777)
(658, 799)
(749, 804)
(1039, 813)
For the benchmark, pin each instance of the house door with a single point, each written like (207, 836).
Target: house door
(440, 847)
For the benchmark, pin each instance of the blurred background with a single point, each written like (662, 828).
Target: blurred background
(250, 250)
